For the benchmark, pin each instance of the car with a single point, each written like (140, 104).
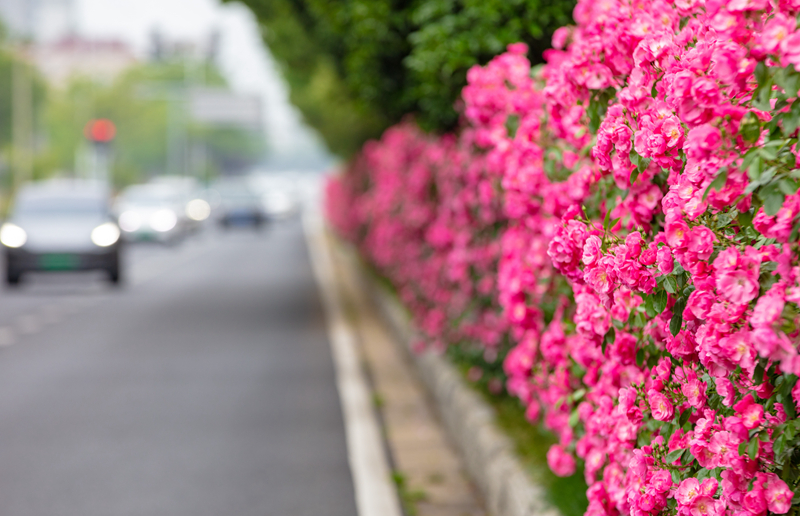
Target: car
(152, 212)
(196, 209)
(278, 193)
(237, 204)
(61, 225)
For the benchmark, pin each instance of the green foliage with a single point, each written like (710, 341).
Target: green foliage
(357, 66)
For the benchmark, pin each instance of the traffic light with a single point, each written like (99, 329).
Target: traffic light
(100, 130)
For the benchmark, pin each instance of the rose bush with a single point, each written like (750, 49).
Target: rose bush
(646, 256)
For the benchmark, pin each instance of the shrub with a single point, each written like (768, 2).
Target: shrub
(649, 269)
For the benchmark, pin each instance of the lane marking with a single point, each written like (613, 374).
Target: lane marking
(374, 489)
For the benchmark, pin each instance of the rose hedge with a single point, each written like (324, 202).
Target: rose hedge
(628, 217)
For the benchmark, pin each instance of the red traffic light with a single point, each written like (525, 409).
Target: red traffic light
(100, 130)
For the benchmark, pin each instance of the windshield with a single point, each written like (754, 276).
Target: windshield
(61, 206)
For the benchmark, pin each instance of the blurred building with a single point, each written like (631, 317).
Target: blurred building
(39, 20)
(102, 60)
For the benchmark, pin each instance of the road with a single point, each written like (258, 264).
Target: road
(204, 386)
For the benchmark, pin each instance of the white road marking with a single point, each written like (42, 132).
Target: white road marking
(375, 492)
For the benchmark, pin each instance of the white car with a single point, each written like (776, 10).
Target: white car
(61, 225)
(152, 212)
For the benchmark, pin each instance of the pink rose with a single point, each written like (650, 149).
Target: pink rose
(777, 494)
(738, 286)
(752, 413)
(660, 406)
(560, 462)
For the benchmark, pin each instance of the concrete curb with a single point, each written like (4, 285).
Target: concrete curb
(488, 453)
(375, 492)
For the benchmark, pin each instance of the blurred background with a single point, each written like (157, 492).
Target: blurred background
(187, 84)
(162, 344)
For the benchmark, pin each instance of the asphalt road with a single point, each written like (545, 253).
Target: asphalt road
(204, 386)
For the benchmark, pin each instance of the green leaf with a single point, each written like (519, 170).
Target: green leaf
(634, 175)
(754, 171)
(761, 73)
(788, 80)
(718, 183)
(779, 444)
(787, 186)
(742, 448)
(768, 153)
(671, 284)
(676, 476)
(773, 200)
(649, 306)
(574, 418)
(758, 373)
(677, 317)
(684, 417)
(640, 357)
(752, 448)
(674, 455)
(610, 335)
(750, 128)
(788, 406)
(660, 301)
(643, 164)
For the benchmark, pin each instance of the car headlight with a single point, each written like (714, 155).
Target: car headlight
(198, 209)
(12, 235)
(130, 220)
(105, 235)
(163, 220)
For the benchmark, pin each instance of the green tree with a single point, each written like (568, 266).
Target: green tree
(357, 66)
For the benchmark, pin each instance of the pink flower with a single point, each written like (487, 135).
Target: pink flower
(688, 491)
(755, 502)
(768, 308)
(661, 481)
(591, 250)
(560, 462)
(660, 406)
(752, 413)
(706, 506)
(701, 242)
(777, 494)
(703, 140)
(695, 392)
(738, 286)
(664, 260)
(677, 233)
(725, 389)
(791, 49)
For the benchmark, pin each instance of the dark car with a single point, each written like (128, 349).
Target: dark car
(58, 226)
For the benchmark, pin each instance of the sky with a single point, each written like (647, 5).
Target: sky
(243, 58)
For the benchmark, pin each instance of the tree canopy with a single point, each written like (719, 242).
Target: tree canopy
(357, 66)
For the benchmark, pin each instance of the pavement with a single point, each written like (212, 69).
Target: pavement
(429, 473)
(204, 386)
